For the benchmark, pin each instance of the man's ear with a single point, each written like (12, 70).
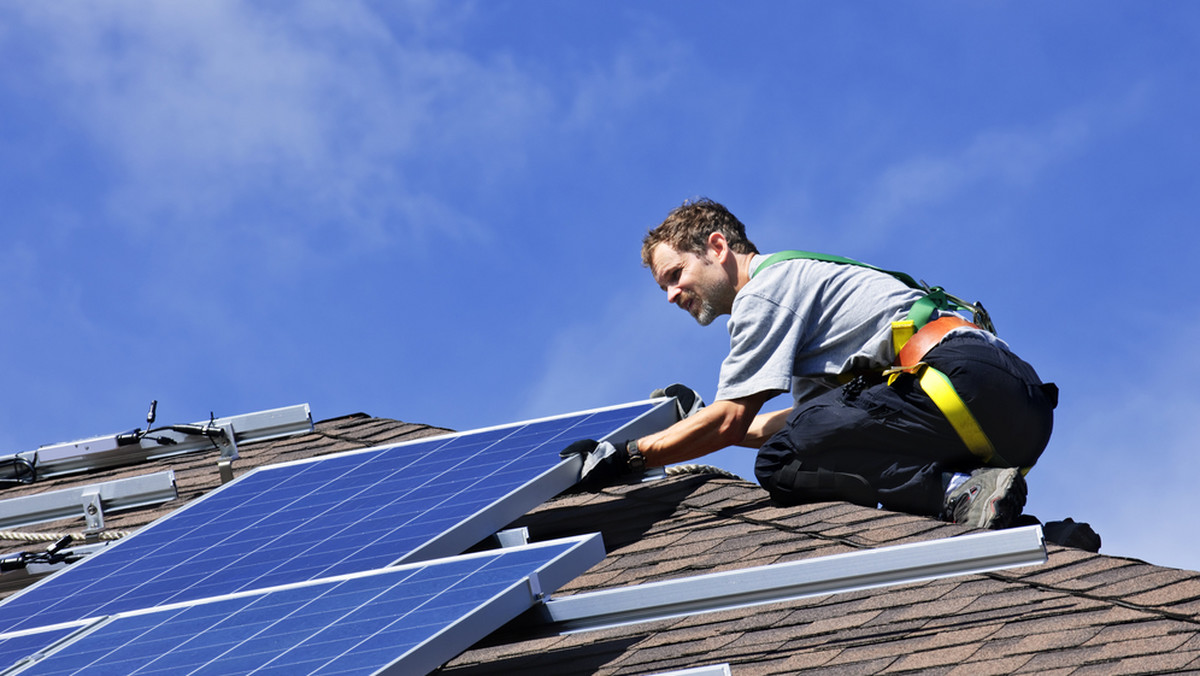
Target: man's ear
(718, 247)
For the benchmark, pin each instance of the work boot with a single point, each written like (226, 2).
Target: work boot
(991, 499)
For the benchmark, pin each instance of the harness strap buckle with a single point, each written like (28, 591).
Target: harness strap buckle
(911, 351)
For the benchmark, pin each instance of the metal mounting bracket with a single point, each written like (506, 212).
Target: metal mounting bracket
(226, 441)
(93, 512)
(513, 537)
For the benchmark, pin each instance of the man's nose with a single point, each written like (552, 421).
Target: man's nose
(673, 294)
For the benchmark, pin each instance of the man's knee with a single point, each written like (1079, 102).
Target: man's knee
(793, 485)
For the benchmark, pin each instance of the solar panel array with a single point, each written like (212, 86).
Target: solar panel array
(325, 517)
(357, 624)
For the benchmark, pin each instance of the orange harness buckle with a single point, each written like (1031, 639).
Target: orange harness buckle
(915, 348)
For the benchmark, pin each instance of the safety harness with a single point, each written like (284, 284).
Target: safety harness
(913, 337)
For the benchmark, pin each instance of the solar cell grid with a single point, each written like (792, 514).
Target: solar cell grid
(15, 648)
(355, 625)
(310, 519)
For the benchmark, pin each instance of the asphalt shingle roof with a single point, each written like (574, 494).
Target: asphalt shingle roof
(1080, 613)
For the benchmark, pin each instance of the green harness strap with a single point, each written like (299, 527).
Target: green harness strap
(935, 297)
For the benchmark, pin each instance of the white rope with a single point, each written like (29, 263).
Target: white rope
(55, 537)
(676, 470)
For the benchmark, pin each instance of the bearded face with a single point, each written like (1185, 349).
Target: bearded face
(697, 284)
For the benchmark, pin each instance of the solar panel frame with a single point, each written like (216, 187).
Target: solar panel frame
(23, 646)
(383, 621)
(86, 588)
(550, 483)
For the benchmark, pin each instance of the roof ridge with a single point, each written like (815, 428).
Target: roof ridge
(344, 438)
(337, 429)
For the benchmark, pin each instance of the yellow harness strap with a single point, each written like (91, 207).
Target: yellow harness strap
(941, 391)
(935, 384)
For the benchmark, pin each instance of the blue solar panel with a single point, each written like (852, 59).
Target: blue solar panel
(18, 647)
(412, 617)
(328, 516)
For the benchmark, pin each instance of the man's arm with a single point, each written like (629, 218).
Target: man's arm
(764, 426)
(723, 423)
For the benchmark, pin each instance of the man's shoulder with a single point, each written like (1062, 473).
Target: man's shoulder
(790, 276)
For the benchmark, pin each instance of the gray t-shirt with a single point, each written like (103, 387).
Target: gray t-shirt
(799, 323)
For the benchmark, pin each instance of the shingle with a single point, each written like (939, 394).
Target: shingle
(1069, 618)
(1070, 569)
(896, 598)
(868, 651)
(1135, 631)
(717, 491)
(990, 667)
(987, 593)
(763, 618)
(727, 620)
(933, 608)
(1147, 645)
(1172, 594)
(656, 542)
(925, 660)
(682, 641)
(1131, 580)
(1152, 664)
(899, 530)
(832, 625)
(766, 641)
(1063, 658)
(1004, 616)
(1189, 609)
(1062, 671)
(999, 648)
(502, 651)
(1056, 640)
(819, 664)
(571, 659)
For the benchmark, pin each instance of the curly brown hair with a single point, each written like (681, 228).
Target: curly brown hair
(687, 227)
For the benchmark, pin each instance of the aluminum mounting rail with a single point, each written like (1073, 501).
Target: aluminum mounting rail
(89, 501)
(109, 451)
(898, 564)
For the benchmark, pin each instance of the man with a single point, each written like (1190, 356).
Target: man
(824, 331)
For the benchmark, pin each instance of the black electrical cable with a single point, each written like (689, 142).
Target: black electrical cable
(51, 556)
(19, 463)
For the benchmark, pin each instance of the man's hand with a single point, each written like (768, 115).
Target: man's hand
(687, 400)
(603, 462)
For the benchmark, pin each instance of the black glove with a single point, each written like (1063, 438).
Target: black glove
(687, 400)
(603, 462)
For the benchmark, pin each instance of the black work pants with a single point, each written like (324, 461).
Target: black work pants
(890, 444)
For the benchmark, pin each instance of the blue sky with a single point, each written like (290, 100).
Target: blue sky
(432, 211)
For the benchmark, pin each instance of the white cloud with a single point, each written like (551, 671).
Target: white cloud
(318, 112)
(1012, 157)
(315, 127)
(639, 70)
